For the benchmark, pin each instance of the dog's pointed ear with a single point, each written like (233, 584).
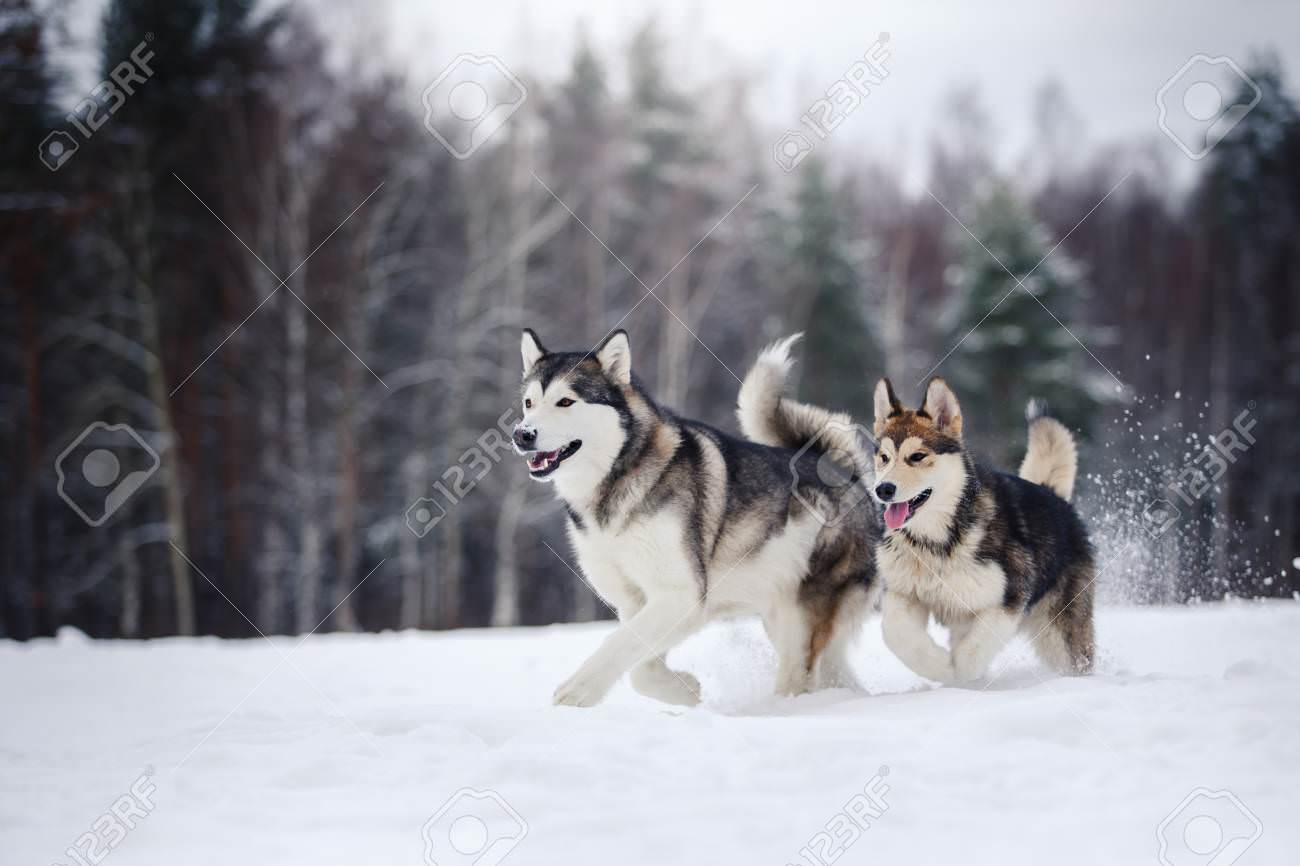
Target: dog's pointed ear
(531, 349)
(615, 357)
(886, 403)
(942, 407)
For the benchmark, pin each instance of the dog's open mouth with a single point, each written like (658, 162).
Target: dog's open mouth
(543, 463)
(898, 513)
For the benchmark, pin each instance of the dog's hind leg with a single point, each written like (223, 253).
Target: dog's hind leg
(1076, 623)
(789, 626)
(1049, 643)
(1063, 636)
(1077, 631)
(1060, 625)
(833, 667)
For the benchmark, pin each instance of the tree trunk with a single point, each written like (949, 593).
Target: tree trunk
(676, 339)
(595, 260)
(310, 536)
(155, 375)
(471, 298)
(271, 556)
(505, 579)
(506, 603)
(128, 624)
(34, 598)
(182, 580)
(1220, 418)
(893, 331)
(410, 613)
(348, 520)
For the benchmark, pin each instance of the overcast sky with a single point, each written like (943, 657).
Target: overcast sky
(1112, 57)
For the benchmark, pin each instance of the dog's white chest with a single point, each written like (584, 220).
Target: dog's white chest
(953, 587)
(650, 553)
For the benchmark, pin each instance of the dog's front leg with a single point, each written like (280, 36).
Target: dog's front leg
(652, 678)
(974, 650)
(903, 621)
(665, 621)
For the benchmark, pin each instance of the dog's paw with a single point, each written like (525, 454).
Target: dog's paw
(944, 672)
(967, 666)
(661, 683)
(967, 669)
(792, 685)
(579, 691)
(839, 679)
(687, 693)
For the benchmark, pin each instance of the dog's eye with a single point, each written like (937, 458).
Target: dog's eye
(564, 402)
(916, 457)
(884, 458)
(528, 404)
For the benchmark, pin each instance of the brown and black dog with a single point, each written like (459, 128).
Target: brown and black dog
(987, 553)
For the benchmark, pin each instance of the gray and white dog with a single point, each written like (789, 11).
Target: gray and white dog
(676, 523)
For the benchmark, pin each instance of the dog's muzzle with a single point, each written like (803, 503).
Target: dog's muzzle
(525, 437)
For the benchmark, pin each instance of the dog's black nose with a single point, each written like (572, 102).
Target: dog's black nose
(885, 491)
(525, 437)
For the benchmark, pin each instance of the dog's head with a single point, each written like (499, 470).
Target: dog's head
(918, 451)
(574, 405)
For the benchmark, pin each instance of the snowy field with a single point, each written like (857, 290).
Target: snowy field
(344, 752)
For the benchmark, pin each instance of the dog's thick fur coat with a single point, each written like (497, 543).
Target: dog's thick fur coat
(986, 553)
(675, 523)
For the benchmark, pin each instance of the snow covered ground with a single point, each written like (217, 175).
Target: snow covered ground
(344, 752)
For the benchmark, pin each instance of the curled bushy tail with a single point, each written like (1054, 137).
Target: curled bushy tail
(768, 417)
(758, 406)
(1051, 459)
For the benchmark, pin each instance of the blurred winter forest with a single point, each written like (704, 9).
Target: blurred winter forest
(299, 423)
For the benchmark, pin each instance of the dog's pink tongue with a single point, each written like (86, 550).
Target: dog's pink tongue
(896, 514)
